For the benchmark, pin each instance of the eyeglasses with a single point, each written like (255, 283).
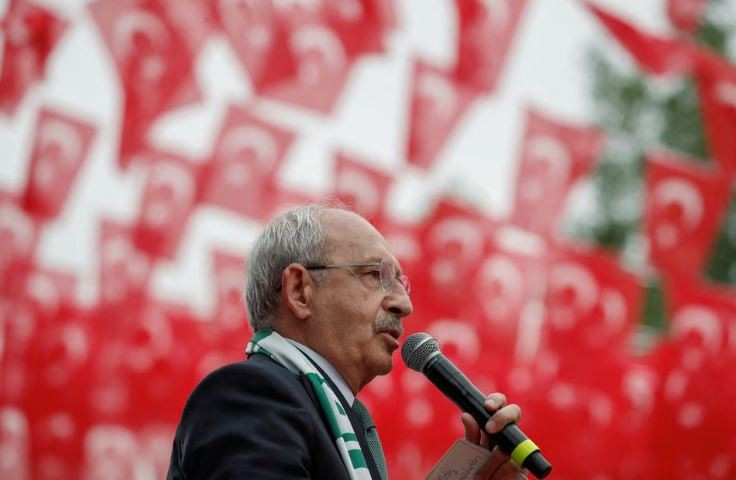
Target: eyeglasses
(387, 274)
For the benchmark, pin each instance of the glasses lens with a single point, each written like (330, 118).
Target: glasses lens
(387, 275)
(405, 283)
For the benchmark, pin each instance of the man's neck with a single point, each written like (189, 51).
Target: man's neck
(328, 368)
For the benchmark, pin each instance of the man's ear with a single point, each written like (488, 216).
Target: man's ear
(297, 288)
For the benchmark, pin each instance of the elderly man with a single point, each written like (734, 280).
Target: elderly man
(325, 300)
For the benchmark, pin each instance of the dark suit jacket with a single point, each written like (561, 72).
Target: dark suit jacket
(256, 420)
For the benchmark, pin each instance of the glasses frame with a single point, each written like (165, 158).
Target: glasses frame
(387, 280)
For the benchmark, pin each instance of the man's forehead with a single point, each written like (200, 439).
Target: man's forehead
(339, 223)
(348, 231)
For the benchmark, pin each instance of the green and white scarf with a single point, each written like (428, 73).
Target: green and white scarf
(270, 343)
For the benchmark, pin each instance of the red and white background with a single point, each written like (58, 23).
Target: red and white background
(144, 143)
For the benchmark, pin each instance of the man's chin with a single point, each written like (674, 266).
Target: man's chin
(382, 365)
(388, 365)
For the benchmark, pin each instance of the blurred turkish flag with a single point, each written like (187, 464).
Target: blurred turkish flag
(30, 33)
(361, 24)
(685, 203)
(110, 452)
(321, 67)
(696, 399)
(716, 81)
(657, 55)
(360, 185)
(155, 360)
(301, 52)
(230, 316)
(154, 64)
(124, 270)
(15, 442)
(240, 176)
(193, 20)
(169, 198)
(685, 14)
(592, 306)
(438, 101)
(277, 200)
(48, 292)
(553, 156)
(60, 147)
(37, 299)
(454, 239)
(486, 29)
(703, 322)
(506, 294)
(257, 33)
(19, 233)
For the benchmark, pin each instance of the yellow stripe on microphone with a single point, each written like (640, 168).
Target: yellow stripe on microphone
(522, 451)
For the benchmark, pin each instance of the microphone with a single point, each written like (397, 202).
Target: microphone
(422, 353)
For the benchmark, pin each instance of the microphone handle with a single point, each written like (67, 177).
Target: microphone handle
(458, 388)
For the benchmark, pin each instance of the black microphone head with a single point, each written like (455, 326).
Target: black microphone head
(418, 349)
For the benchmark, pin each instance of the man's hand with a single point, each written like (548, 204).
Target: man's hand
(498, 466)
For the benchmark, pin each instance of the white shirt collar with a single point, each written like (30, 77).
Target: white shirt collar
(331, 371)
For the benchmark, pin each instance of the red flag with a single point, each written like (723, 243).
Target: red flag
(485, 32)
(454, 239)
(592, 306)
(47, 292)
(684, 205)
(277, 200)
(229, 271)
(154, 64)
(168, 199)
(696, 398)
(404, 242)
(301, 53)
(123, 269)
(655, 54)
(193, 20)
(321, 67)
(554, 155)
(60, 147)
(437, 104)
(110, 447)
(150, 358)
(30, 34)
(703, 322)
(685, 14)
(15, 441)
(59, 357)
(259, 38)
(247, 155)
(360, 185)
(506, 296)
(19, 234)
(716, 80)
(58, 367)
(360, 24)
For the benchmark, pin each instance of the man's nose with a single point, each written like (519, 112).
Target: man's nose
(398, 302)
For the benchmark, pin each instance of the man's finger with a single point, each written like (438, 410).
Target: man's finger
(508, 414)
(473, 433)
(494, 401)
(472, 430)
(508, 471)
(488, 469)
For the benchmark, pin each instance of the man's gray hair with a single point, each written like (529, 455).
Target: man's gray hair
(295, 236)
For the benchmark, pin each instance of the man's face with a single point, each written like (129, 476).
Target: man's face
(357, 323)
